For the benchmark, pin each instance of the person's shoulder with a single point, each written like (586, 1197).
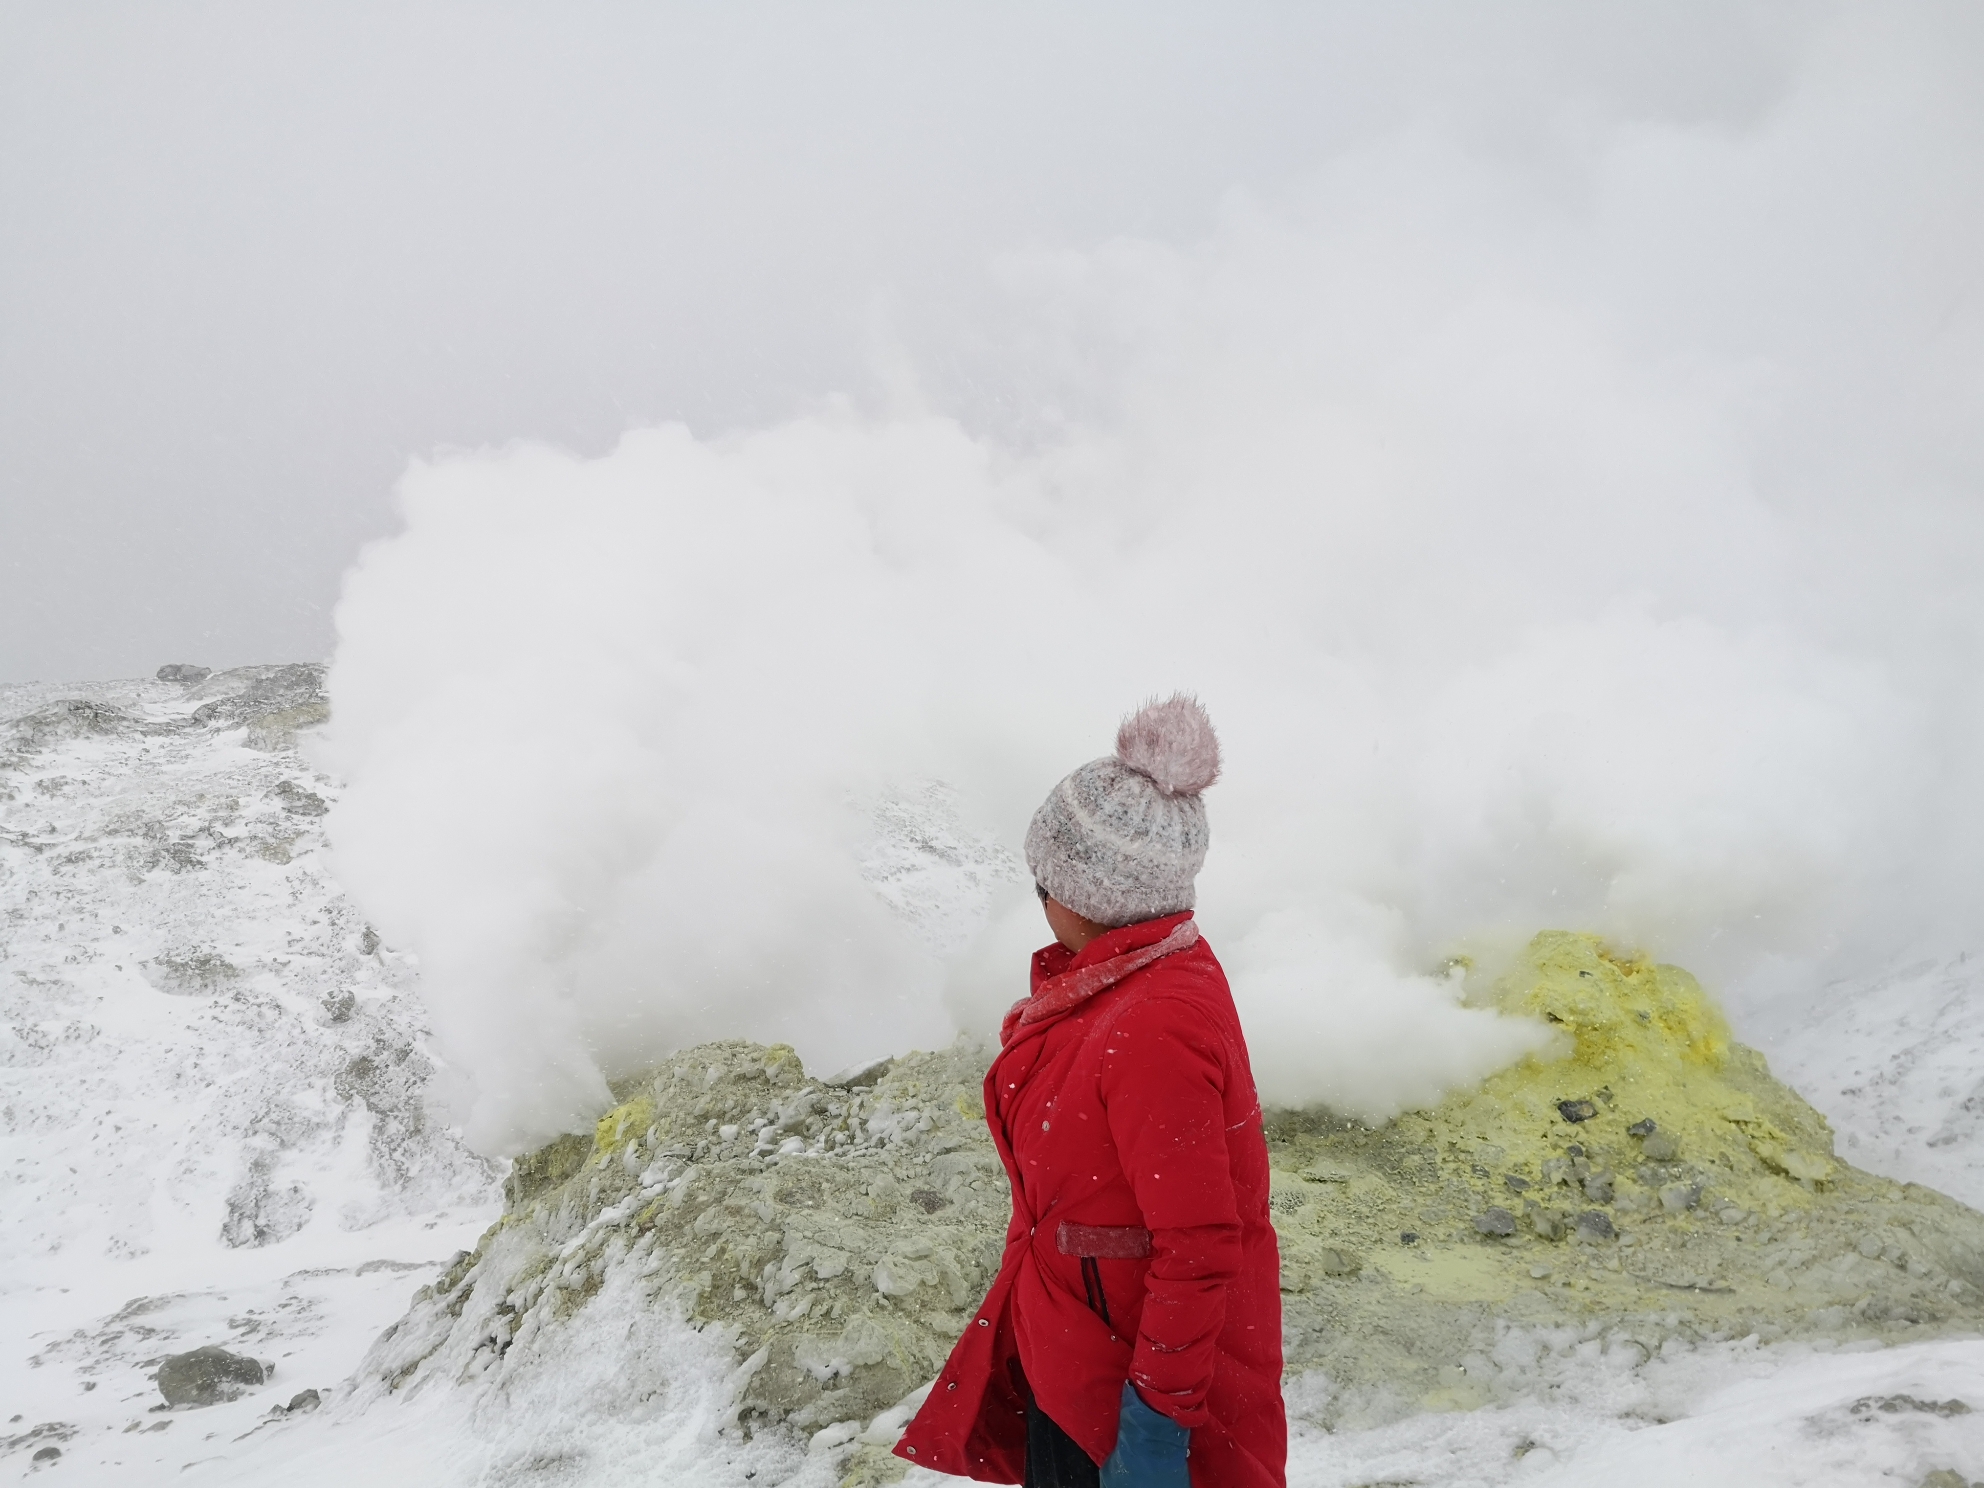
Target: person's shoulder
(1193, 974)
(1185, 993)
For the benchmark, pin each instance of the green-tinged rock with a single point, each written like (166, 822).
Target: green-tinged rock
(843, 1232)
(207, 1376)
(1650, 1182)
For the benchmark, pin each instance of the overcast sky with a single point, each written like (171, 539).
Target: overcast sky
(255, 257)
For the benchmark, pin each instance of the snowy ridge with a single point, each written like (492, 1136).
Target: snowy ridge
(213, 1116)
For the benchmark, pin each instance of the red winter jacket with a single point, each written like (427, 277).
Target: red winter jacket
(1131, 1134)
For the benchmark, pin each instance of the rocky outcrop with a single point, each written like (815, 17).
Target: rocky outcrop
(177, 965)
(207, 1376)
(1647, 1186)
(269, 703)
(838, 1234)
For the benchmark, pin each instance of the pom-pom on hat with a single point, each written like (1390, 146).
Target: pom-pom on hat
(1122, 838)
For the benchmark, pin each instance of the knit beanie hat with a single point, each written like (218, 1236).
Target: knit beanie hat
(1122, 838)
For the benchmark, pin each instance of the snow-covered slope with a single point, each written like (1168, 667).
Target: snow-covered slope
(213, 1124)
(1897, 1065)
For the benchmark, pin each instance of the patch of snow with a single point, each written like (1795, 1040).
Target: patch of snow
(1897, 1066)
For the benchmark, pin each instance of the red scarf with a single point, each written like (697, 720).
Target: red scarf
(1057, 994)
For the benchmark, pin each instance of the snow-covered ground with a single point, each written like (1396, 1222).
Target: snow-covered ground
(1897, 1065)
(212, 1074)
(214, 1133)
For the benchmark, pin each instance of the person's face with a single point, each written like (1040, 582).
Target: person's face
(1071, 929)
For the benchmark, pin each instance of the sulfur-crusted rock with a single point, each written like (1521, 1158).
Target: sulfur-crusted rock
(1684, 1194)
(840, 1234)
(1648, 1182)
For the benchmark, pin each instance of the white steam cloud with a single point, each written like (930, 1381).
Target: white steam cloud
(1589, 542)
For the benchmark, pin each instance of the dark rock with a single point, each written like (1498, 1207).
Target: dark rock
(184, 673)
(301, 1401)
(207, 1376)
(1596, 1226)
(928, 1200)
(48, 1454)
(1576, 1110)
(1644, 1127)
(1516, 1185)
(1408, 1237)
(1495, 1221)
(1894, 1405)
(298, 801)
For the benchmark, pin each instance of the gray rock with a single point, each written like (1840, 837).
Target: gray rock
(301, 1403)
(1548, 1223)
(184, 673)
(298, 801)
(1894, 1405)
(72, 718)
(207, 1376)
(1576, 1110)
(193, 972)
(49, 1434)
(249, 694)
(861, 1075)
(1334, 1262)
(260, 1209)
(1660, 1147)
(1678, 1198)
(1595, 1226)
(1645, 1127)
(1495, 1221)
(1598, 1188)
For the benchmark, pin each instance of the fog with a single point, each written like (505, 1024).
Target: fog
(253, 258)
(1548, 440)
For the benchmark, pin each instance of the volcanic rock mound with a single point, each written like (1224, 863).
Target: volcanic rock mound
(840, 1234)
(1652, 1183)
(1648, 1186)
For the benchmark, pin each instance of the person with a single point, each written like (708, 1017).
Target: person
(1132, 1337)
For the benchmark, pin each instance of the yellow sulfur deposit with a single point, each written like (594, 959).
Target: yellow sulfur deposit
(1647, 1178)
(1652, 1062)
